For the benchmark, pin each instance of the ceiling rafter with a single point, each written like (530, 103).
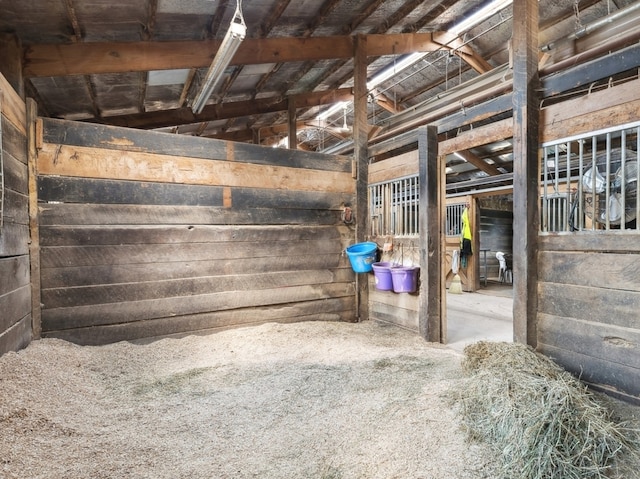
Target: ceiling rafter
(223, 111)
(479, 163)
(46, 60)
(77, 37)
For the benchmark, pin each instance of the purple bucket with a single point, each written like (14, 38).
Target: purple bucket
(405, 279)
(382, 276)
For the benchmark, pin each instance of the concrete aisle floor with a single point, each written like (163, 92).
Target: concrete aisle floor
(484, 315)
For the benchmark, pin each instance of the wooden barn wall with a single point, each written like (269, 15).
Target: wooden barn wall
(146, 234)
(15, 285)
(588, 308)
(589, 283)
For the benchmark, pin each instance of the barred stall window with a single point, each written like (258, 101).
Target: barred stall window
(590, 182)
(394, 207)
(454, 219)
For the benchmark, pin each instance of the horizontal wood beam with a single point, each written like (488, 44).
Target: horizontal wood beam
(225, 111)
(49, 60)
(479, 163)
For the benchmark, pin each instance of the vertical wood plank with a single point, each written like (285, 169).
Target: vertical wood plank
(34, 246)
(360, 140)
(431, 283)
(11, 61)
(526, 118)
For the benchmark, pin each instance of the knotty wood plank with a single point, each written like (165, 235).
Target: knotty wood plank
(614, 378)
(404, 300)
(15, 208)
(581, 124)
(15, 174)
(78, 161)
(13, 108)
(481, 135)
(14, 305)
(133, 273)
(404, 318)
(170, 234)
(399, 166)
(597, 305)
(16, 337)
(131, 311)
(336, 309)
(14, 239)
(280, 199)
(603, 270)
(14, 273)
(613, 344)
(64, 132)
(14, 140)
(84, 190)
(61, 256)
(578, 109)
(117, 293)
(75, 214)
(596, 242)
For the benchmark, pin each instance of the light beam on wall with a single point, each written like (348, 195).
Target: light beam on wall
(230, 43)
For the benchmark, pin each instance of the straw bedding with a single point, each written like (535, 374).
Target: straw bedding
(539, 419)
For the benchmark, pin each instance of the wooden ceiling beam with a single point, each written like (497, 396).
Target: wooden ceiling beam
(50, 60)
(225, 111)
(479, 163)
(453, 43)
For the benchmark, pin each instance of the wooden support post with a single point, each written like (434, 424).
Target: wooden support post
(360, 141)
(293, 134)
(526, 118)
(34, 232)
(431, 177)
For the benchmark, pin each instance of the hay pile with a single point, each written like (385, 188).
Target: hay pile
(541, 420)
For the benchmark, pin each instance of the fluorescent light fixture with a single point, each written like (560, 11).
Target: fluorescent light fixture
(334, 109)
(230, 43)
(381, 77)
(479, 16)
(458, 155)
(395, 69)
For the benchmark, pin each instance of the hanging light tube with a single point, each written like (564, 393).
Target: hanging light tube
(479, 16)
(228, 48)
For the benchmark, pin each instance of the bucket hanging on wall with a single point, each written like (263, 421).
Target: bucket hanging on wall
(362, 256)
(405, 279)
(382, 276)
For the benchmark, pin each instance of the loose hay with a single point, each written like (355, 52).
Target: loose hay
(540, 419)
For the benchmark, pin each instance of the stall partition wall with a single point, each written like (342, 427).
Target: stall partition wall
(589, 279)
(15, 285)
(146, 234)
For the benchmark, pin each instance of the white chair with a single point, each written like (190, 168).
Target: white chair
(505, 275)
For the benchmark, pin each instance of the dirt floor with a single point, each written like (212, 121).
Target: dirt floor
(308, 400)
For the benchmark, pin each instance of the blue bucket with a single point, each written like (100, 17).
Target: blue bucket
(362, 256)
